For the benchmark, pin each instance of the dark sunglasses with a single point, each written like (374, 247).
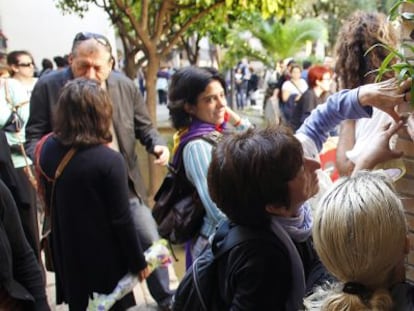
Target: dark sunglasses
(82, 36)
(25, 64)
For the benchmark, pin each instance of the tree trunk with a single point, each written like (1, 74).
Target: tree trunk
(156, 173)
(130, 67)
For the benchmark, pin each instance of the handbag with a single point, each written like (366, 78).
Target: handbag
(46, 238)
(14, 123)
(178, 209)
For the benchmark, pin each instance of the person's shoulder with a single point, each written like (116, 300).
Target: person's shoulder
(118, 77)
(262, 244)
(197, 144)
(13, 86)
(55, 76)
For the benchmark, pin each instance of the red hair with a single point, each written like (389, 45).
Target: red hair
(315, 73)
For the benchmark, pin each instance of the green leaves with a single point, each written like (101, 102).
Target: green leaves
(394, 11)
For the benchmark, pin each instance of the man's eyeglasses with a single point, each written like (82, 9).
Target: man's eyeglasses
(82, 36)
(25, 64)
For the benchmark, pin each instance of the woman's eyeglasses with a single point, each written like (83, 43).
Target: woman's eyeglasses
(25, 64)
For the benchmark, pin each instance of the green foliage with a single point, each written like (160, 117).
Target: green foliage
(278, 40)
(334, 12)
(394, 11)
(404, 68)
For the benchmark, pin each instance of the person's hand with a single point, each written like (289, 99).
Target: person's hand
(410, 126)
(163, 155)
(386, 95)
(144, 273)
(378, 150)
(234, 118)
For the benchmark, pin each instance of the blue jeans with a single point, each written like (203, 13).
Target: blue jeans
(158, 282)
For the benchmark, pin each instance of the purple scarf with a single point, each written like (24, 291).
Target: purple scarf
(196, 129)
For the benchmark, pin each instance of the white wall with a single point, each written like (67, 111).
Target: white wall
(39, 27)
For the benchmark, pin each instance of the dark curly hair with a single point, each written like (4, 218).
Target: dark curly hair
(360, 32)
(186, 85)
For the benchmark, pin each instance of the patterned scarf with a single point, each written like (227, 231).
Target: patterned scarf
(196, 129)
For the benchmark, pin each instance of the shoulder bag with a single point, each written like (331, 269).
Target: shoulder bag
(45, 241)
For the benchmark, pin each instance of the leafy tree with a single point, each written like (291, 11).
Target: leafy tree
(155, 28)
(278, 39)
(334, 12)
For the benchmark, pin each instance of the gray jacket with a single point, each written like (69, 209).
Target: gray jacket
(130, 118)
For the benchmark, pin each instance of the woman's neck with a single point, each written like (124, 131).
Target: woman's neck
(318, 91)
(26, 81)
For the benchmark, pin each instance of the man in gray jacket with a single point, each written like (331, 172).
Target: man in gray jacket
(91, 57)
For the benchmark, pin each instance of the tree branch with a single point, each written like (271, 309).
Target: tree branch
(188, 23)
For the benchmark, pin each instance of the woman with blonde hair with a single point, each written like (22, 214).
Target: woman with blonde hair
(361, 238)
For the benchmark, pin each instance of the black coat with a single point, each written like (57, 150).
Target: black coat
(93, 236)
(20, 273)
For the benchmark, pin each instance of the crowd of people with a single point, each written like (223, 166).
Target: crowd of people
(70, 140)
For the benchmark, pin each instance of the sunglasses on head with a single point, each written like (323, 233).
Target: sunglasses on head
(83, 36)
(25, 64)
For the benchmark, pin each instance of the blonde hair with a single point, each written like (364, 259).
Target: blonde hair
(359, 230)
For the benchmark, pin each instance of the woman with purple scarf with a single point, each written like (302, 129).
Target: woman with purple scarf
(198, 106)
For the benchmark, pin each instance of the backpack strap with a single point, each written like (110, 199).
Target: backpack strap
(236, 235)
(13, 106)
(212, 138)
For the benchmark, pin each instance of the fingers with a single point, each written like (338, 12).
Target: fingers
(405, 86)
(392, 128)
(394, 115)
(162, 155)
(143, 274)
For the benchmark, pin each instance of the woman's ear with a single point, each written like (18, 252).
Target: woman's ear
(189, 108)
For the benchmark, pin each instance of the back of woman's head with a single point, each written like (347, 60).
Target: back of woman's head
(185, 87)
(252, 169)
(84, 114)
(353, 66)
(360, 236)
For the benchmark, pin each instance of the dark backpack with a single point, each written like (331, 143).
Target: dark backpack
(178, 210)
(199, 288)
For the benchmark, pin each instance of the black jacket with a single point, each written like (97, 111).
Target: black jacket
(20, 273)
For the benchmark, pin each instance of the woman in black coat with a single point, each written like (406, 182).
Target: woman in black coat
(94, 241)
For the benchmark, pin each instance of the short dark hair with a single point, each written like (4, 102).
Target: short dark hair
(186, 85)
(60, 61)
(47, 63)
(252, 169)
(13, 57)
(84, 114)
